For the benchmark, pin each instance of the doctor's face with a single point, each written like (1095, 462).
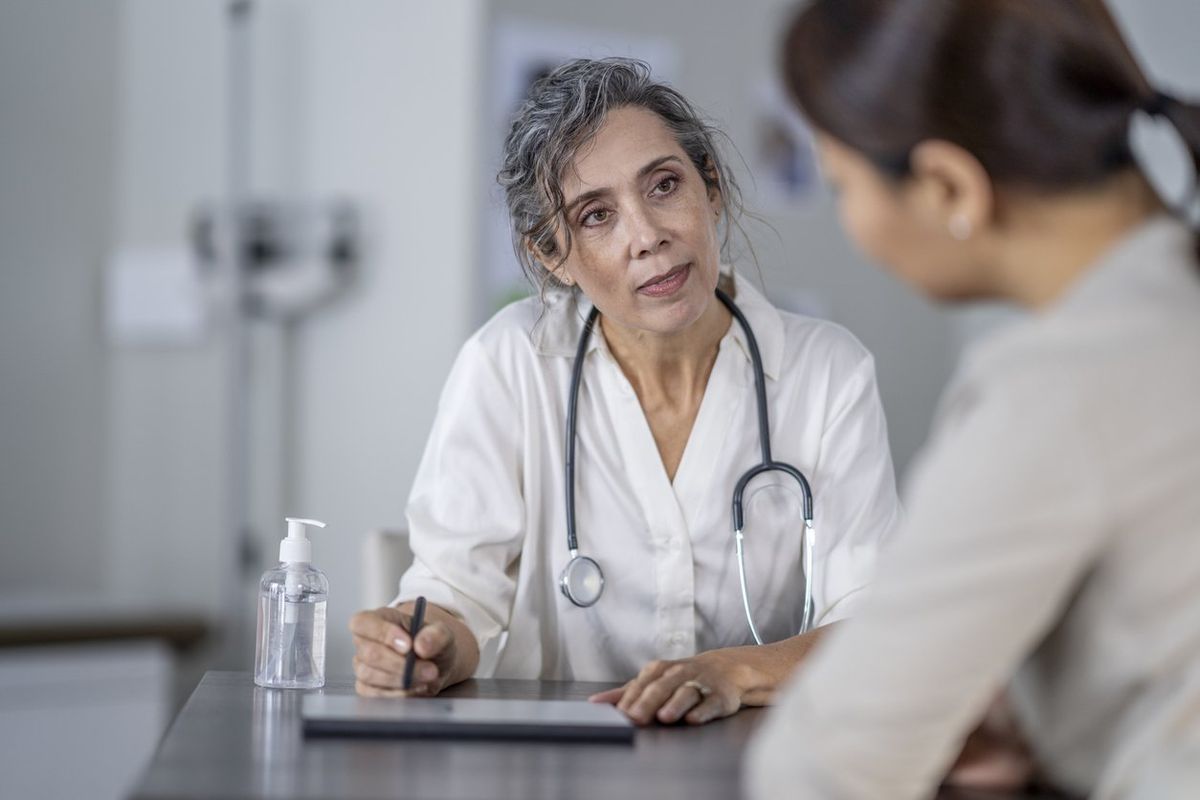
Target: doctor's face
(643, 226)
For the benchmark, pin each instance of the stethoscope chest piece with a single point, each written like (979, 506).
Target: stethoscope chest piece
(582, 581)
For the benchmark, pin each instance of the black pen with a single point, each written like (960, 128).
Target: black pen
(410, 660)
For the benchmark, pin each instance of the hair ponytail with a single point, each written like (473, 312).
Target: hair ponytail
(1185, 117)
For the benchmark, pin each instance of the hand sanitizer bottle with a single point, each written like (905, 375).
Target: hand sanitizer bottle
(290, 651)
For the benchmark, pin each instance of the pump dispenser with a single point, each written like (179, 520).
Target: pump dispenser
(290, 650)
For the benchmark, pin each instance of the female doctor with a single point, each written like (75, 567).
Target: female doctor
(601, 548)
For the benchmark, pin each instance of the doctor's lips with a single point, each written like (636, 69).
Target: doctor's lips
(667, 283)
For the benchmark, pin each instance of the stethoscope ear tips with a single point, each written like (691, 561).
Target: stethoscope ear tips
(582, 581)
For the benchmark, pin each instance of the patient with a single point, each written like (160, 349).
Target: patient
(982, 150)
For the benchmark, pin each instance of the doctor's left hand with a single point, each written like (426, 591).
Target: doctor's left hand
(696, 690)
(713, 684)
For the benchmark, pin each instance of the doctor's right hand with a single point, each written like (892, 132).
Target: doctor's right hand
(446, 651)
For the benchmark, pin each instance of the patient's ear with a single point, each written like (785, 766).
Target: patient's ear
(951, 188)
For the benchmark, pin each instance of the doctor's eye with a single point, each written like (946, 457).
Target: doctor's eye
(666, 185)
(594, 217)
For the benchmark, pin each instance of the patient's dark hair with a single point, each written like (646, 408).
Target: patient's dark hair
(1040, 91)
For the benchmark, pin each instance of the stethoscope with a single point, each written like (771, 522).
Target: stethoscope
(582, 580)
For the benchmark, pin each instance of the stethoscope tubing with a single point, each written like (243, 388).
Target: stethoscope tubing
(572, 408)
(578, 595)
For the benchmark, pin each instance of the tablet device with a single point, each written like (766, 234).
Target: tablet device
(464, 718)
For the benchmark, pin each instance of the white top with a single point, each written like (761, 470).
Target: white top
(487, 521)
(1053, 530)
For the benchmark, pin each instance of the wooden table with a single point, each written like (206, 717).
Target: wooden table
(235, 740)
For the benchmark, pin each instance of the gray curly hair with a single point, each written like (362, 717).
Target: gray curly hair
(564, 111)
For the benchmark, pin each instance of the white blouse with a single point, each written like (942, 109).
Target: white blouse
(487, 521)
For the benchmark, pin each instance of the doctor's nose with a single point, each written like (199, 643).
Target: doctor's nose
(646, 236)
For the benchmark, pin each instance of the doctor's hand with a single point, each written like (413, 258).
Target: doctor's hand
(711, 685)
(697, 690)
(447, 652)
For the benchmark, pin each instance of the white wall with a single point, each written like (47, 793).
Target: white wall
(164, 445)
(394, 101)
(58, 84)
(1164, 34)
(369, 100)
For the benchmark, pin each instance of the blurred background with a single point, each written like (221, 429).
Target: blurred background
(175, 377)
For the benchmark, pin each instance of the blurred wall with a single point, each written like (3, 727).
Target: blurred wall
(166, 403)
(1164, 34)
(58, 92)
(368, 100)
(393, 118)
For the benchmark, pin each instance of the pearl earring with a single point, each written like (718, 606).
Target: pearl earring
(960, 227)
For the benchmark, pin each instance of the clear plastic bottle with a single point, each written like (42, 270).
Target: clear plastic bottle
(290, 650)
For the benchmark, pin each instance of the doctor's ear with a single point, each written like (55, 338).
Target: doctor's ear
(550, 263)
(951, 189)
(712, 180)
